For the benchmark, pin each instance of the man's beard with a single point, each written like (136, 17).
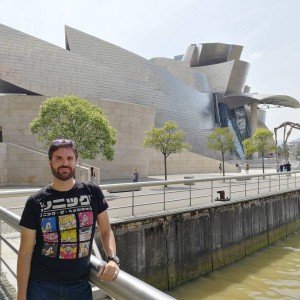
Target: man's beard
(61, 175)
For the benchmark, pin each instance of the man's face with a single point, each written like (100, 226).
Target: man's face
(63, 164)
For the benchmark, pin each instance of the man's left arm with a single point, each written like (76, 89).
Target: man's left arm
(111, 269)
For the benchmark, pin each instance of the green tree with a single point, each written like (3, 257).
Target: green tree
(260, 142)
(221, 139)
(70, 117)
(167, 139)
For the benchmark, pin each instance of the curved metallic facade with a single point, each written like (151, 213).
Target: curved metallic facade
(186, 91)
(95, 69)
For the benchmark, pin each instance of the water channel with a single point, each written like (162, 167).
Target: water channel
(272, 273)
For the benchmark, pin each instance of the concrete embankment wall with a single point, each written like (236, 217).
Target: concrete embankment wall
(171, 249)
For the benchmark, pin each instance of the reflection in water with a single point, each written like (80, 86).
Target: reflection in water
(272, 273)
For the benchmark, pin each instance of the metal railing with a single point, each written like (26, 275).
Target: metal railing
(124, 286)
(159, 197)
(137, 199)
(134, 199)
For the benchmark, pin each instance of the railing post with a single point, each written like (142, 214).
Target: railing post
(190, 194)
(269, 183)
(230, 188)
(132, 211)
(164, 197)
(258, 185)
(279, 181)
(245, 187)
(0, 247)
(212, 191)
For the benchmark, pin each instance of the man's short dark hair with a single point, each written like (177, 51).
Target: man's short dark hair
(62, 143)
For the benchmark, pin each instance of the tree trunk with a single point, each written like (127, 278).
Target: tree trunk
(223, 163)
(263, 165)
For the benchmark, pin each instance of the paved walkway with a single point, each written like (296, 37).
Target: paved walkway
(7, 290)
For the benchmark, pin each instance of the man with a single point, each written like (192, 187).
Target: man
(57, 230)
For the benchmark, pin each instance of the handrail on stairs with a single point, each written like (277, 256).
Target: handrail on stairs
(81, 165)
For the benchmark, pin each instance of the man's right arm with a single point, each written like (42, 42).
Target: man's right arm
(24, 260)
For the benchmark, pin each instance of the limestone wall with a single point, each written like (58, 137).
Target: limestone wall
(3, 164)
(25, 166)
(185, 163)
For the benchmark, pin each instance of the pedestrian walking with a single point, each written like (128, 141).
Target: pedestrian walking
(93, 175)
(136, 175)
(220, 168)
(247, 167)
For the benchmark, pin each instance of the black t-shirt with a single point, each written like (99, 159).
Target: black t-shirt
(65, 227)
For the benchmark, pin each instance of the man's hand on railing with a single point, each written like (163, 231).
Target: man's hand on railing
(109, 271)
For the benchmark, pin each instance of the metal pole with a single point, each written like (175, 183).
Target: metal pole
(245, 187)
(212, 191)
(258, 184)
(190, 195)
(230, 188)
(132, 201)
(0, 248)
(164, 197)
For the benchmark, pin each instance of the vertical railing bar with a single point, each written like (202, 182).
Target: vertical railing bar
(212, 191)
(190, 194)
(132, 211)
(0, 247)
(258, 185)
(164, 197)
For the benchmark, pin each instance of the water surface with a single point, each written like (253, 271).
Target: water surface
(272, 273)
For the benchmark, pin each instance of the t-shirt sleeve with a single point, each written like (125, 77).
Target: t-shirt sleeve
(29, 215)
(102, 205)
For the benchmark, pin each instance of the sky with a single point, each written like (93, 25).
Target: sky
(267, 29)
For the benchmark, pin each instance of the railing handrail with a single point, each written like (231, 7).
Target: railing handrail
(124, 286)
(29, 191)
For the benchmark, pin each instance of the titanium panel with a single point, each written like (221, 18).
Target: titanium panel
(45, 69)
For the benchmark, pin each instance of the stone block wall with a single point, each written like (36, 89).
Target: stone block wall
(169, 249)
(3, 164)
(26, 166)
(184, 163)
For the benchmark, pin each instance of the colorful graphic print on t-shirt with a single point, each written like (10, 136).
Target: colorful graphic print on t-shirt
(67, 226)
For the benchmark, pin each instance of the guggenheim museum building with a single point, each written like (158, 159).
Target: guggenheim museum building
(204, 88)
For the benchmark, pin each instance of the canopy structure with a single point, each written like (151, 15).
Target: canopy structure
(236, 100)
